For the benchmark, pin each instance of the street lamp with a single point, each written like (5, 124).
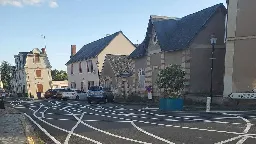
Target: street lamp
(209, 99)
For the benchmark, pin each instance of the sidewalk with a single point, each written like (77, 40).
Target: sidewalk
(12, 127)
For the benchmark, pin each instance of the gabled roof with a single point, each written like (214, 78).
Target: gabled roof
(174, 33)
(120, 64)
(92, 49)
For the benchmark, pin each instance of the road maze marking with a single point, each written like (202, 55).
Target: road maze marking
(242, 136)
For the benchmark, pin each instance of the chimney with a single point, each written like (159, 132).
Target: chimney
(73, 50)
(43, 51)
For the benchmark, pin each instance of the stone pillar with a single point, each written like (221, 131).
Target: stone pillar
(134, 88)
(148, 73)
(228, 78)
(185, 65)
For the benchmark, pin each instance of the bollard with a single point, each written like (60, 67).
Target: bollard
(208, 104)
(2, 103)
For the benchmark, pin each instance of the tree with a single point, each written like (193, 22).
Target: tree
(6, 71)
(59, 75)
(171, 79)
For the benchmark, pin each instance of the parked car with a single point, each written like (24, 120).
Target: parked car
(108, 94)
(95, 94)
(50, 93)
(80, 95)
(69, 94)
(59, 92)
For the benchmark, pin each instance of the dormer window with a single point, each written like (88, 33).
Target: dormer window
(37, 58)
(154, 38)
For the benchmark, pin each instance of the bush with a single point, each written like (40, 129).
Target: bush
(171, 80)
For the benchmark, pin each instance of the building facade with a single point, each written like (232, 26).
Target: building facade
(1, 83)
(59, 84)
(117, 74)
(240, 69)
(185, 42)
(32, 74)
(84, 67)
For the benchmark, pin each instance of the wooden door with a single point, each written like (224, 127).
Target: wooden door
(40, 88)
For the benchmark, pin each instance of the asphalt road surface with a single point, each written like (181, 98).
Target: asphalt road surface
(77, 122)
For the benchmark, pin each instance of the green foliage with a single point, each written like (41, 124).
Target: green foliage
(6, 70)
(171, 79)
(59, 75)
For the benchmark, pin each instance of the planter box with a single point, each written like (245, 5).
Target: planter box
(171, 104)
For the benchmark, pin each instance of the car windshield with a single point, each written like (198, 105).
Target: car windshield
(95, 88)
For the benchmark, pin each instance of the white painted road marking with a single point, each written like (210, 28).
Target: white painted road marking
(150, 134)
(72, 130)
(43, 130)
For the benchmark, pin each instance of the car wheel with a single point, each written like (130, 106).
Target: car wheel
(77, 97)
(105, 101)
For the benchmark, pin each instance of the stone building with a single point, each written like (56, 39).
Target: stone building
(84, 67)
(240, 68)
(184, 41)
(116, 74)
(32, 74)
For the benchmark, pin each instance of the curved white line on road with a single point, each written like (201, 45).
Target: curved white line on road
(72, 130)
(150, 134)
(244, 136)
(108, 133)
(42, 129)
(91, 140)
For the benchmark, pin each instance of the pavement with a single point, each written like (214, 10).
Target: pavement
(77, 122)
(12, 127)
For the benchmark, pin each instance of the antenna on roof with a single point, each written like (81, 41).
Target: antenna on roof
(43, 36)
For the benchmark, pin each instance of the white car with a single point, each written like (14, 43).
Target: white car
(69, 94)
(80, 95)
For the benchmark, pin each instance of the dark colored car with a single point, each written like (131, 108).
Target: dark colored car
(50, 93)
(108, 94)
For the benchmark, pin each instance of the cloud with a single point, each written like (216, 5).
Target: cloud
(21, 3)
(53, 4)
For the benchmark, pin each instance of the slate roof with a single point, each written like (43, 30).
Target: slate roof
(176, 34)
(92, 49)
(120, 64)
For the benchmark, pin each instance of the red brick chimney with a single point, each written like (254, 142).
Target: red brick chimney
(73, 50)
(43, 51)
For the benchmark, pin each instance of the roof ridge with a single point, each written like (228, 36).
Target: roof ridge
(103, 37)
(216, 5)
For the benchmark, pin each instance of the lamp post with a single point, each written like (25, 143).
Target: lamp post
(209, 99)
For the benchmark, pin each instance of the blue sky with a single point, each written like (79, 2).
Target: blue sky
(67, 22)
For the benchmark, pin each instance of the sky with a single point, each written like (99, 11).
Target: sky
(78, 22)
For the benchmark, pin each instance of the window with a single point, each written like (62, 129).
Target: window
(154, 38)
(90, 84)
(38, 73)
(37, 58)
(89, 66)
(72, 67)
(82, 86)
(73, 85)
(141, 78)
(80, 68)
